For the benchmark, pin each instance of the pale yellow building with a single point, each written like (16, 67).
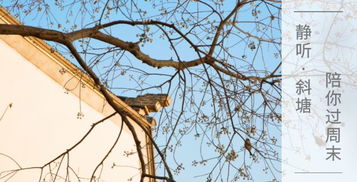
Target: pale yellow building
(47, 105)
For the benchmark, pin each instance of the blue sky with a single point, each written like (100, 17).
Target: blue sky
(266, 57)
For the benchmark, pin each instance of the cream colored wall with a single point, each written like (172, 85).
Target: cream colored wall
(42, 123)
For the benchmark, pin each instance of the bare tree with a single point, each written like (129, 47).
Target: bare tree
(218, 60)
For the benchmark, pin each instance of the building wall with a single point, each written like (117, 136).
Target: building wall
(43, 122)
